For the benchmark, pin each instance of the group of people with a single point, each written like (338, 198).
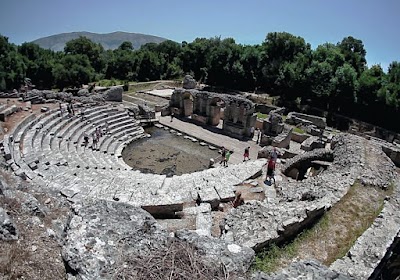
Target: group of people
(70, 109)
(225, 155)
(96, 135)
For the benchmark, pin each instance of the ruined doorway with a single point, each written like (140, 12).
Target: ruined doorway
(187, 104)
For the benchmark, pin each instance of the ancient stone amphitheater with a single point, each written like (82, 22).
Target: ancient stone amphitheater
(108, 198)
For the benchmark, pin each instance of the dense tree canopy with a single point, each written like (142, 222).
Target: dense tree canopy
(333, 77)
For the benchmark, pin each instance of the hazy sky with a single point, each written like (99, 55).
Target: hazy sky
(376, 23)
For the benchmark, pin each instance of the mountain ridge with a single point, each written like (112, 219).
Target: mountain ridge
(111, 40)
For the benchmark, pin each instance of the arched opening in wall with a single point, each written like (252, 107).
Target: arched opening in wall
(188, 101)
(216, 110)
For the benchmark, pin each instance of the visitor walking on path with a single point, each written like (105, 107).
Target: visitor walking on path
(258, 135)
(223, 154)
(246, 154)
(69, 110)
(227, 156)
(172, 116)
(271, 169)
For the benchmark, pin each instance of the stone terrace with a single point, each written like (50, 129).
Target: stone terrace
(49, 150)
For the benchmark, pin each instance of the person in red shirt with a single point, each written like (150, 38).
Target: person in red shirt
(271, 169)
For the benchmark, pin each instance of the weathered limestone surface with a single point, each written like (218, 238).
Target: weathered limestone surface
(371, 248)
(8, 230)
(83, 95)
(205, 107)
(234, 257)
(311, 143)
(8, 111)
(29, 203)
(102, 234)
(114, 94)
(189, 82)
(392, 151)
(258, 223)
(298, 118)
(303, 270)
(307, 158)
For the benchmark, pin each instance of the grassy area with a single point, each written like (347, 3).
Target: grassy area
(333, 235)
(109, 83)
(134, 87)
(269, 260)
(262, 116)
(298, 130)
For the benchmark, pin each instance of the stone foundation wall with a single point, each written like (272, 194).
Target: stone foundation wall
(296, 118)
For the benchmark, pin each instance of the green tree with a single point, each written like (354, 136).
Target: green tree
(345, 86)
(126, 46)
(149, 65)
(279, 50)
(93, 51)
(12, 66)
(321, 74)
(39, 64)
(250, 60)
(73, 70)
(354, 53)
(370, 82)
(390, 91)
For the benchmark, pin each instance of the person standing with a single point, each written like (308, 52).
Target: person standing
(227, 157)
(86, 139)
(95, 140)
(258, 135)
(61, 109)
(271, 169)
(172, 116)
(223, 154)
(246, 154)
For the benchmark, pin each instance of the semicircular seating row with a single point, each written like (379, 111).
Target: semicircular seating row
(49, 150)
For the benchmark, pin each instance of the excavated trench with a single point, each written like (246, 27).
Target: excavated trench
(166, 153)
(304, 167)
(389, 268)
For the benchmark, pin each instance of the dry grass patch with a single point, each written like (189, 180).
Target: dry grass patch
(333, 235)
(177, 261)
(152, 85)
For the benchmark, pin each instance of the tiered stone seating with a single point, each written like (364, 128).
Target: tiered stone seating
(49, 150)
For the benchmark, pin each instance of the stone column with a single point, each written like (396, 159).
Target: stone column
(214, 117)
(188, 107)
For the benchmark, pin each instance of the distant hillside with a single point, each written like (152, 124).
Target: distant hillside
(108, 41)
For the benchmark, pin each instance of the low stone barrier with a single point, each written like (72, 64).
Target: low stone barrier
(295, 118)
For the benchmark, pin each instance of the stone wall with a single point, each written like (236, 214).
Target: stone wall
(206, 107)
(296, 118)
(299, 137)
(257, 224)
(101, 235)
